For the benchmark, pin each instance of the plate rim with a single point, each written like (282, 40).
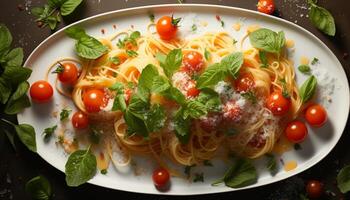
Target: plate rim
(211, 6)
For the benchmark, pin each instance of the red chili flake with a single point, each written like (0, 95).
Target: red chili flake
(103, 31)
(20, 7)
(114, 26)
(218, 17)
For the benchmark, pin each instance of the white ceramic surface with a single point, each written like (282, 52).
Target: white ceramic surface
(316, 147)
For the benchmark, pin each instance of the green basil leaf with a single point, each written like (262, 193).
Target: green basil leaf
(194, 109)
(161, 59)
(26, 134)
(5, 37)
(210, 99)
(118, 87)
(69, 6)
(5, 90)
(16, 75)
(11, 139)
(305, 69)
(75, 32)
(145, 81)
(52, 22)
(182, 127)
(241, 174)
(16, 106)
(322, 19)
(160, 84)
(14, 57)
(307, 90)
(135, 124)
(55, 3)
(90, 48)
(207, 55)
(155, 118)
(343, 179)
(263, 59)
(176, 95)
(232, 63)
(119, 103)
(37, 11)
(173, 62)
(137, 106)
(267, 40)
(80, 167)
(20, 91)
(39, 188)
(115, 60)
(134, 35)
(64, 114)
(271, 164)
(211, 76)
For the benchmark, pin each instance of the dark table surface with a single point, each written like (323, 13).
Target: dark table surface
(17, 167)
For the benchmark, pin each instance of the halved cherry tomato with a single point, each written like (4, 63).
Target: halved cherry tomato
(80, 120)
(296, 131)
(193, 62)
(41, 91)
(277, 103)
(193, 92)
(67, 73)
(94, 100)
(167, 27)
(316, 115)
(160, 177)
(244, 82)
(314, 189)
(266, 6)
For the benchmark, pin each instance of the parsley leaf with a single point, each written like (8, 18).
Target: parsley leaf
(194, 27)
(49, 131)
(131, 53)
(64, 114)
(250, 95)
(314, 61)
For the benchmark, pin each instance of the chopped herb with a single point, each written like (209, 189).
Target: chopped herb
(207, 163)
(151, 17)
(129, 39)
(285, 92)
(250, 96)
(65, 113)
(104, 171)
(131, 85)
(95, 136)
(188, 170)
(218, 18)
(198, 177)
(263, 59)
(305, 69)
(271, 164)
(49, 131)
(61, 139)
(297, 147)
(59, 69)
(194, 28)
(314, 61)
(234, 41)
(131, 53)
(207, 55)
(115, 60)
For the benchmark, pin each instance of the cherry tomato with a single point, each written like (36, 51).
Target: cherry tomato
(41, 91)
(80, 120)
(167, 27)
(68, 74)
(244, 82)
(296, 131)
(266, 6)
(277, 103)
(193, 92)
(316, 115)
(231, 111)
(314, 189)
(94, 100)
(160, 177)
(192, 61)
(210, 122)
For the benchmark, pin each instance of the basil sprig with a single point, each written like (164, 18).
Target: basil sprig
(171, 62)
(39, 188)
(50, 13)
(229, 66)
(343, 179)
(80, 167)
(242, 173)
(86, 46)
(267, 40)
(308, 88)
(321, 18)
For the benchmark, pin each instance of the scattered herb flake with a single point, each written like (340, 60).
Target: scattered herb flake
(314, 61)
(49, 131)
(131, 53)
(250, 96)
(207, 54)
(65, 113)
(297, 147)
(198, 177)
(234, 41)
(305, 69)
(207, 163)
(151, 17)
(188, 170)
(115, 60)
(194, 28)
(104, 171)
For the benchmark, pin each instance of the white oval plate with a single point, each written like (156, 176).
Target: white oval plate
(316, 147)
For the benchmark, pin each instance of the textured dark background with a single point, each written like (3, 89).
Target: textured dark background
(17, 167)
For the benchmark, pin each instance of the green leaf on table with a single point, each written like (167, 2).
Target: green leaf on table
(69, 6)
(80, 167)
(343, 179)
(271, 164)
(39, 188)
(322, 19)
(5, 38)
(90, 48)
(5, 90)
(16, 74)
(19, 100)
(75, 32)
(26, 134)
(14, 57)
